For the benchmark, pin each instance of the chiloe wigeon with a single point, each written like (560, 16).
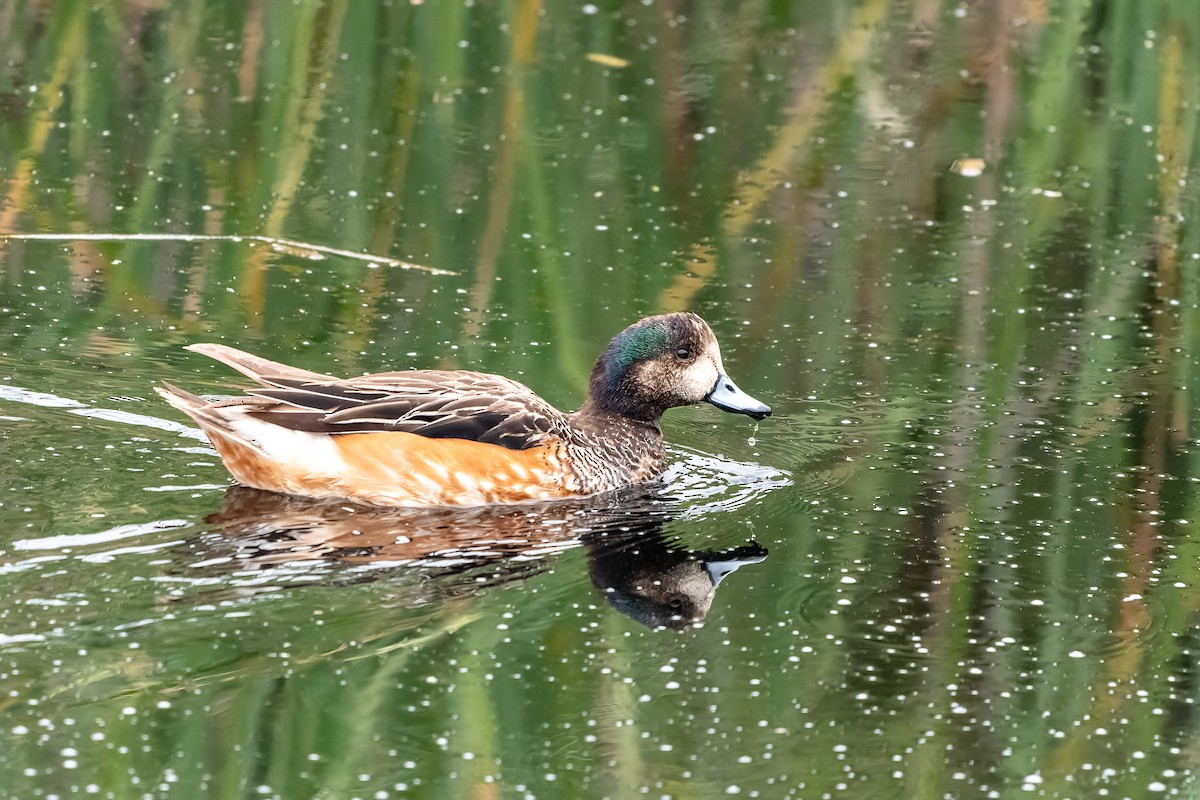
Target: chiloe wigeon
(453, 437)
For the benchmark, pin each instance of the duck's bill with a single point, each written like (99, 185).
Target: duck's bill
(728, 397)
(717, 570)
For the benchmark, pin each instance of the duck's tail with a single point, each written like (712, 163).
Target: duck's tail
(231, 432)
(205, 413)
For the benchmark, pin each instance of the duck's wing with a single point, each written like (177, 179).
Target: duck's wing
(440, 404)
(437, 404)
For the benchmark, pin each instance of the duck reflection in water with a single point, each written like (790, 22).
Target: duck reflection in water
(458, 552)
(645, 579)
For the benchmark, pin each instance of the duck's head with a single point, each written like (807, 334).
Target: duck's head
(663, 362)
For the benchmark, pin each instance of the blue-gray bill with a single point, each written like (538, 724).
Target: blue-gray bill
(717, 570)
(728, 397)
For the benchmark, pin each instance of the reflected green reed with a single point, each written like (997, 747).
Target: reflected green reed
(981, 565)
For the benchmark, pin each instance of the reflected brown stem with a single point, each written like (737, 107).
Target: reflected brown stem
(792, 140)
(254, 285)
(791, 244)
(950, 599)
(1164, 426)
(679, 117)
(1174, 148)
(396, 170)
(70, 51)
(871, 306)
(1162, 429)
(252, 41)
(999, 76)
(306, 116)
(701, 266)
(84, 266)
(802, 117)
(503, 179)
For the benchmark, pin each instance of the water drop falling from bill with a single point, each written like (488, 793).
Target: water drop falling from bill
(753, 440)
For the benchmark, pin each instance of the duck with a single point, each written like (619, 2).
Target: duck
(421, 438)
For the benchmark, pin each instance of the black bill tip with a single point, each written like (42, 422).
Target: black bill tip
(728, 397)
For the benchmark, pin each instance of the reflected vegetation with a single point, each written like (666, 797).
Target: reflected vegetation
(954, 245)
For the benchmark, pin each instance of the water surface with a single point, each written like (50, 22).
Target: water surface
(953, 246)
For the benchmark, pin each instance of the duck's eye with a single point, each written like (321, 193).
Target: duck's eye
(683, 354)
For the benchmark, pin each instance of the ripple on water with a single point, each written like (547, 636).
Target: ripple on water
(47, 400)
(115, 534)
(706, 484)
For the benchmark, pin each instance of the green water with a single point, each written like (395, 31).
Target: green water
(954, 245)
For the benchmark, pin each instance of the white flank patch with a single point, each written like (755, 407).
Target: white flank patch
(312, 452)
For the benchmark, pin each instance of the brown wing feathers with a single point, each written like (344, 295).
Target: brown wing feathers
(452, 405)
(339, 409)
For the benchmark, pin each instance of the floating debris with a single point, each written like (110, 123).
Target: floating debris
(289, 246)
(607, 60)
(969, 167)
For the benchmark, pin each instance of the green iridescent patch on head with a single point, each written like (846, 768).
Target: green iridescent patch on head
(644, 341)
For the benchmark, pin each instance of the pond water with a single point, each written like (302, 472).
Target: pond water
(954, 245)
